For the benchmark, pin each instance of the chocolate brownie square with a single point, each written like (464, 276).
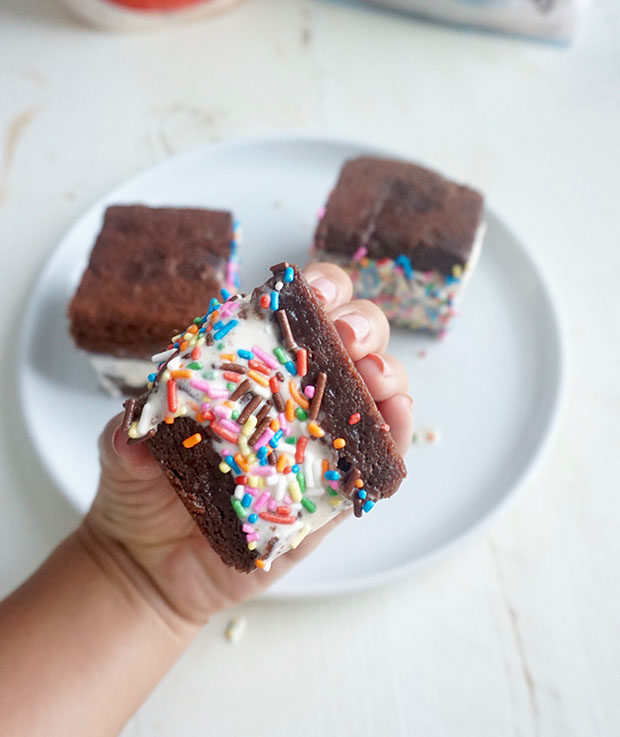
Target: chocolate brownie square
(263, 425)
(408, 237)
(150, 272)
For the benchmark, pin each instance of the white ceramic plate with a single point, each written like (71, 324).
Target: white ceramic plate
(491, 388)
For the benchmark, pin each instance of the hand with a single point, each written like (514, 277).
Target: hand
(137, 512)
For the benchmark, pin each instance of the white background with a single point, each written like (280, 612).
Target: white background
(514, 634)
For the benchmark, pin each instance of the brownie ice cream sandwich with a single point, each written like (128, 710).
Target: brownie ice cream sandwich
(262, 424)
(408, 238)
(151, 270)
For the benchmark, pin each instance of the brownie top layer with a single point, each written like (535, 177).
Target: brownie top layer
(390, 207)
(369, 448)
(151, 271)
(261, 411)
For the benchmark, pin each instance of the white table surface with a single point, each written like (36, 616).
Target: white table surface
(516, 633)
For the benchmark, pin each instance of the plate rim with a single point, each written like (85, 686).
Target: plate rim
(354, 583)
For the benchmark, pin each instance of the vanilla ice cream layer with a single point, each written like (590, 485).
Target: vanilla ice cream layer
(286, 502)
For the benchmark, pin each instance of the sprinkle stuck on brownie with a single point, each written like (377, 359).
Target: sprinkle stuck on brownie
(263, 425)
(408, 238)
(150, 271)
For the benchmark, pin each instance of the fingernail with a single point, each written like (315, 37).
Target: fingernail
(325, 287)
(383, 366)
(359, 324)
(119, 439)
(115, 436)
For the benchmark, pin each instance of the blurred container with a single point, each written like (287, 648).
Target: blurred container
(128, 15)
(554, 20)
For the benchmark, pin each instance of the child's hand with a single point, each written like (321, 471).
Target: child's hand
(137, 512)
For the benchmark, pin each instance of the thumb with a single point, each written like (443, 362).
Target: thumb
(122, 461)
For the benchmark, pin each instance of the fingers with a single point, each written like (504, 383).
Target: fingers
(386, 378)
(396, 412)
(362, 327)
(119, 459)
(330, 281)
(384, 375)
(365, 332)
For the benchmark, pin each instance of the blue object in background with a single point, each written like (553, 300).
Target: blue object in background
(547, 20)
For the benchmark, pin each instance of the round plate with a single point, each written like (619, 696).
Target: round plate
(490, 389)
